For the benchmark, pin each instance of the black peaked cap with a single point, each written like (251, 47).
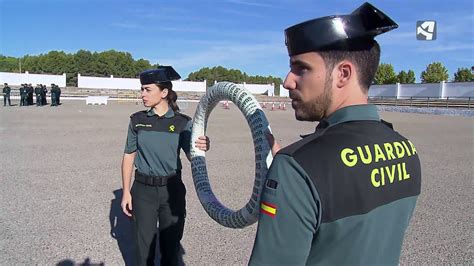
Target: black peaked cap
(342, 32)
(159, 75)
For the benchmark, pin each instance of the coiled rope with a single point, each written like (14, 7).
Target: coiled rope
(258, 124)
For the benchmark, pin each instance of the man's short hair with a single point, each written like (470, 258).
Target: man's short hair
(366, 62)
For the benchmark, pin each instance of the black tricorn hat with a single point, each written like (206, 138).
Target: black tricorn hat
(159, 75)
(341, 32)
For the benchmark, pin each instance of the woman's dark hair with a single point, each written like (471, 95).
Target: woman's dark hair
(172, 96)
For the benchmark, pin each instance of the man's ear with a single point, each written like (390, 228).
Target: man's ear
(344, 73)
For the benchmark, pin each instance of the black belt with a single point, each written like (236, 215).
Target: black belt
(157, 180)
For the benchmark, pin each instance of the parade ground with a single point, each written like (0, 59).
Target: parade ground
(61, 185)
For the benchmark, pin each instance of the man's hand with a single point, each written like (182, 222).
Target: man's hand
(203, 143)
(127, 203)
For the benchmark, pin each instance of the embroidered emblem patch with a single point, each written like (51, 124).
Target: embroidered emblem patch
(142, 125)
(272, 183)
(171, 128)
(268, 209)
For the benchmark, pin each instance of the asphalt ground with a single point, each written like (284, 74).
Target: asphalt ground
(61, 185)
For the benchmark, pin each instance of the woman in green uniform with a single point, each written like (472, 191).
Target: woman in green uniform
(155, 138)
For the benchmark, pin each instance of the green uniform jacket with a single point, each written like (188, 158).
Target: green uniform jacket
(6, 91)
(38, 90)
(158, 141)
(341, 196)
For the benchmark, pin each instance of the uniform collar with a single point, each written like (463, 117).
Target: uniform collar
(168, 114)
(350, 113)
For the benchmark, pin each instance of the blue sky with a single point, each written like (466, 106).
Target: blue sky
(241, 34)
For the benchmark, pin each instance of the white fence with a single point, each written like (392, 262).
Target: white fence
(259, 88)
(440, 90)
(433, 90)
(21, 78)
(458, 89)
(97, 100)
(194, 86)
(107, 83)
(179, 85)
(383, 90)
(284, 92)
(133, 84)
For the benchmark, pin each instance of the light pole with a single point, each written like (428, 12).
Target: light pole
(19, 63)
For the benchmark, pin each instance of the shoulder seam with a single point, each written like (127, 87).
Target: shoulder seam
(136, 113)
(291, 149)
(185, 116)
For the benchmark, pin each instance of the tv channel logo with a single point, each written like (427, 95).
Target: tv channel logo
(426, 30)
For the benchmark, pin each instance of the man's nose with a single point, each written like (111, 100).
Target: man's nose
(289, 83)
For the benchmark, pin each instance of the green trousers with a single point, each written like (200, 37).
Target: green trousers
(165, 205)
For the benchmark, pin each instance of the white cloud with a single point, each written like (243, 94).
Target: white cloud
(188, 29)
(124, 25)
(243, 13)
(446, 47)
(223, 54)
(250, 3)
(397, 38)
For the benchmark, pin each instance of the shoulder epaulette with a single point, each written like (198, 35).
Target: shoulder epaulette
(292, 148)
(137, 113)
(388, 124)
(183, 115)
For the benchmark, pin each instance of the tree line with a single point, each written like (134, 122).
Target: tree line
(100, 64)
(434, 73)
(116, 63)
(220, 73)
(123, 65)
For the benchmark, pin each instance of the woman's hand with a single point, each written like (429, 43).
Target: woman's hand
(203, 143)
(275, 147)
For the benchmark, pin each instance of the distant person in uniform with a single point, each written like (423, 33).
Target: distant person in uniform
(6, 95)
(23, 95)
(39, 92)
(30, 91)
(58, 94)
(54, 95)
(154, 141)
(44, 91)
(345, 194)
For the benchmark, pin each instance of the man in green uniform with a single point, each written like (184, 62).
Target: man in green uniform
(39, 92)
(345, 194)
(6, 95)
(23, 95)
(44, 91)
(29, 95)
(54, 96)
(58, 95)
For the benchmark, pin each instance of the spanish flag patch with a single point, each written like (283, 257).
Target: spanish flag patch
(268, 209)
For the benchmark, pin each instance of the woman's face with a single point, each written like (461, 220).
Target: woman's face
(152, 95)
